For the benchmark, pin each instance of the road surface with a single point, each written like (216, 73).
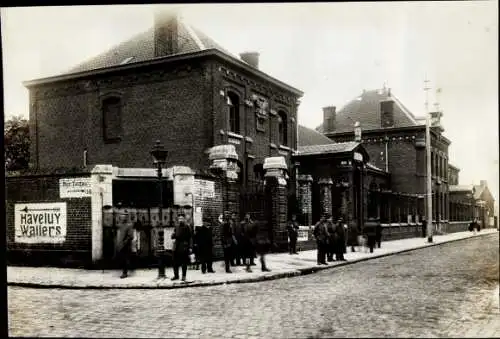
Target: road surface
(449, 290)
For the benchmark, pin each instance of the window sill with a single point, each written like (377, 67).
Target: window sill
(234, 135)
(273, 146)
(285, 148)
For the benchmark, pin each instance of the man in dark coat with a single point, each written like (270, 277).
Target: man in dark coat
(204, 242)
(227, 241)
(260, 236)
(378, 234)
(240, 247)
(235, 255)
(293, 233)
(124, 239)
(340, 243)
(332, 239)
(370, 233)
(321, 234)
(183, 237)
(248, 241)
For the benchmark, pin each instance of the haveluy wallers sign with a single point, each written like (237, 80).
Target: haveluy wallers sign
(40, 223)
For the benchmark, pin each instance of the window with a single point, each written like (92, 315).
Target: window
(112, 119)
(282, 129)
(233, 102)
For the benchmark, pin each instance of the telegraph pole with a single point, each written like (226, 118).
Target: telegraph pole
(428, 162)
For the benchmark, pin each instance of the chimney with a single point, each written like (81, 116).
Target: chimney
(483, 183)
(387, 113)
(251, 58)
(166, 25)
(357, 131)
(329, 118)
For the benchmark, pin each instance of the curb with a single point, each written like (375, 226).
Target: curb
(294, 273)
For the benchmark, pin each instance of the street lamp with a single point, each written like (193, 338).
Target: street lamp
(159, 158)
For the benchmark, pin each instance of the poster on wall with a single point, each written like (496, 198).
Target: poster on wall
(74, 188)
(183, 190)
(303, 233)
(40, 223)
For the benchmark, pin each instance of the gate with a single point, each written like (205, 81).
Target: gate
(255, 199)
(139, 199)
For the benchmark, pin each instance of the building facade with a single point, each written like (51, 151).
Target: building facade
(395, 141)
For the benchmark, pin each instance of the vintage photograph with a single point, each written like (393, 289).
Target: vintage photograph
(252, 170)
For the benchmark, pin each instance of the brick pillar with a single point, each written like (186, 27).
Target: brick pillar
(305, 198)
(325, 188)
(279, 208)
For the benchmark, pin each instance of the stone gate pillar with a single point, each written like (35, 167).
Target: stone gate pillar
(305, 198)
(101, 181)
(223, 160)
(276, 185)
(325, 188)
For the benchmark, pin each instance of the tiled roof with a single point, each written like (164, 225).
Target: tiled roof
(366, 109)
(141, 48)
(338, 147)
(460, 188)
(309, 137)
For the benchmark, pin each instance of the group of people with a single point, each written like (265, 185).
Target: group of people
(330, 239)
(241, 242)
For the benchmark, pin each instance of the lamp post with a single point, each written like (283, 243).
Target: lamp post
(159, 158)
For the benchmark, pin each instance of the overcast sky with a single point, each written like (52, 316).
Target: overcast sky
(330, 51)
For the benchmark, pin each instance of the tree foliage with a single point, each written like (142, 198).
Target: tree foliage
(16, 140)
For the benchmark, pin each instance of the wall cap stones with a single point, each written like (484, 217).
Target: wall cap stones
(325, 181)
(275, 163)
(305, 177)
(222, 152)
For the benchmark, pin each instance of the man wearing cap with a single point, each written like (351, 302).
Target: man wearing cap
(124, 239)
(182, 236)
(227, 241)
(321, 234)
(340, 245)
(205, 245)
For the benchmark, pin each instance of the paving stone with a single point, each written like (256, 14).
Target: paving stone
(449, 290)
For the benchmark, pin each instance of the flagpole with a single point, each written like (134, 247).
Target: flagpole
(428, 163)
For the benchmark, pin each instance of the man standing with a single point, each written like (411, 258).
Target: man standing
(247, 241)
(321, 234)
(293, 233)
(227, 241)
(235, 255)
(340, 243)
(182, 246)
(205, 245)
(332, 239)
(124, 243)
(263, 244)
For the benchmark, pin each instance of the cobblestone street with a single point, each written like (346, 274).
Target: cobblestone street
(449, 290)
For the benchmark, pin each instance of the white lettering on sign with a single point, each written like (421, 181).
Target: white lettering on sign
(74, 188)
(303, 233)
(40, 223)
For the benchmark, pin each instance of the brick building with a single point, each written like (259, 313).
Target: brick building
(182, 87)
(394, 139)
(227, 126)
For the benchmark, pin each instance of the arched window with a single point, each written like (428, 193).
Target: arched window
(282, 128)
(233, 102)
(112, 118)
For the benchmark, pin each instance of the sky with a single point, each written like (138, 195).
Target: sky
(330, 51)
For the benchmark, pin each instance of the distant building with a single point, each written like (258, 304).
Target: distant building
(394, 139)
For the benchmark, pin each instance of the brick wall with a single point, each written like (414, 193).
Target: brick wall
(76, 249)
(165, 103)
(178, 103)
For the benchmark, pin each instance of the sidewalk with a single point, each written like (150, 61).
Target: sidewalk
(281, 264)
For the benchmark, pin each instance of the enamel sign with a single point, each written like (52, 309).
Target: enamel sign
(40, 223)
